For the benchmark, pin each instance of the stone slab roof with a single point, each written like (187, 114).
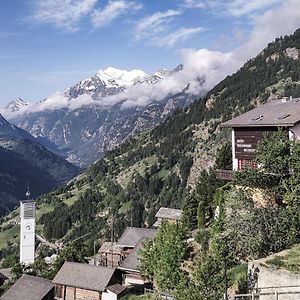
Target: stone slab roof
(131, 262)
(84, 276)
(116, 288)
(169, 213)
(106, 248)
(29, 287)
(277, 113)
(132, 235)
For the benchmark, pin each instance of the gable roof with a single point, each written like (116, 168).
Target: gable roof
(131, 262)
(84, 276)
(169, 213)
(132, 235)
(273, 113)
(29, 287)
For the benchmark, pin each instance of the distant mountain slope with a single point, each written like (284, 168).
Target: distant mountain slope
(93, 117)
(156, 168)
(23, 160)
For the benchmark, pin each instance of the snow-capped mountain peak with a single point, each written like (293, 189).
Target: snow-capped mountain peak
(123, 78)
(15, 105)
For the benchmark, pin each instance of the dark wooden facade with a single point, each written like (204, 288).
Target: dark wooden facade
(246, 140)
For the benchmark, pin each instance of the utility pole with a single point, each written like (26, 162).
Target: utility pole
(112, 241)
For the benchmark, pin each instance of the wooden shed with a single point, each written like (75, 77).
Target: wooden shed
(171, 215)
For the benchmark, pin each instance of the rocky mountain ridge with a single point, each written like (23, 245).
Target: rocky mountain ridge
(91, 117)
(24, 160)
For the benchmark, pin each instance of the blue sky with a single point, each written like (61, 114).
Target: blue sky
(48, 45)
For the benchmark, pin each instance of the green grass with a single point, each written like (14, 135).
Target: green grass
(70, 201)
(43, 209)
(125, 207)
(9, 235)
(289, 261)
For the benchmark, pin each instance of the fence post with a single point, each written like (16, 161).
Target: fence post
(276, 295)
(253, 296)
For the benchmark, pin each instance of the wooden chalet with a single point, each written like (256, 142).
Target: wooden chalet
(77, 281)
(250, 128)
(167, 214)
(130, 267)
(30, 287)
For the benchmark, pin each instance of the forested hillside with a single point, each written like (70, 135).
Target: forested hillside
(160, 167)
(23, 161)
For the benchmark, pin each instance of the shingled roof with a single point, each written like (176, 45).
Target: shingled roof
(132, 235)
(29, 287)
(84, 276)
(116, 288)
(275, 113)
(169, 213)
(131, 262)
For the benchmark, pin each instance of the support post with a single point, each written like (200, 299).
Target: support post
(253, 296)
(276, 295)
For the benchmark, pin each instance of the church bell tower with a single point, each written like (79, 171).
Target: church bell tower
(27, 230)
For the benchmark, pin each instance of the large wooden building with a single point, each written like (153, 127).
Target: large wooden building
(113, 255)
(250, 128)
(77, 281)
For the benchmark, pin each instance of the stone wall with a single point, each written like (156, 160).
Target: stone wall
(285, 283)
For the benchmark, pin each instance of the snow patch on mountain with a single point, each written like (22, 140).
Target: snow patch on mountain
(112, 77)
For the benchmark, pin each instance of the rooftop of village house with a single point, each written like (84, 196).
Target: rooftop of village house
(281, 112)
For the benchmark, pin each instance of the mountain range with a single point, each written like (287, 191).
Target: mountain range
(97, 114)
(23, 161)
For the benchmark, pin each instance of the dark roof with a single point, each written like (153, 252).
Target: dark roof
(131, 262)
(116, 288)
(6, 272)
(132, 235)
(84, 276)
(2, 276)
(29, 287)
(169, 213)
(273, 113)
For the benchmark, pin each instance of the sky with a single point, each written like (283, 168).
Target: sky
(49, 45)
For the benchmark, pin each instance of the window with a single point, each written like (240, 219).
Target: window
(246, 163)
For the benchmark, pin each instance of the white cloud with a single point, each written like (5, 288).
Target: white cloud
(239, 8)
(235, 8)
(155, 23)
(194, 4)
(276, 22)
(111, 11)
(179, 35)
(63, 14)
